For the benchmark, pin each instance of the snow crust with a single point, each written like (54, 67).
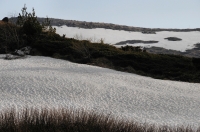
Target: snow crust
(115, 36)
(47, 82)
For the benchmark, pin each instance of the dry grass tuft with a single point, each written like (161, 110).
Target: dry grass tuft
(63, 120)
(2, 23)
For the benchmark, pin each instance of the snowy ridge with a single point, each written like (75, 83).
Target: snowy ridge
(47, 82)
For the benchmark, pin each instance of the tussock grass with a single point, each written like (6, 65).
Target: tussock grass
(65, 120)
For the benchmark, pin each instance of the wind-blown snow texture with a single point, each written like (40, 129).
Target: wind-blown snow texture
(114, 36)
(43, 81)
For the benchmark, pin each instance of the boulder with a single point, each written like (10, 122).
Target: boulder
(23, 51)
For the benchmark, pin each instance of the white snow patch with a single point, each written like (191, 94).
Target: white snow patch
(43, 81)
(115, 36)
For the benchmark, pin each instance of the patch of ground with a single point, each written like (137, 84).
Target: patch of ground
(195, 52)
(136, 41)
(173, 39)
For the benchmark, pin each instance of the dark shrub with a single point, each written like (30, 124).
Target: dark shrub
(196, 63)
(32, 27)
(5, 19)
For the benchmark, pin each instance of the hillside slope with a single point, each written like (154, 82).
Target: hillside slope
(47, 82)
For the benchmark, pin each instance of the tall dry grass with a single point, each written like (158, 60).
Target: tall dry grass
(65, 120)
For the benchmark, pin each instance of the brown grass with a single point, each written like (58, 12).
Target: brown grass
(2, 23)
(63, 120)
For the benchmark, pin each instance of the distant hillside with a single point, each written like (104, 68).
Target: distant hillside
(127, 59)
(195, 52)
(90, 25)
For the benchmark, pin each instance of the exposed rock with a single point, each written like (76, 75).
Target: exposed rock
(173, 39)
(5, 19)
(23, 51)
(136, 41)
(148, 32)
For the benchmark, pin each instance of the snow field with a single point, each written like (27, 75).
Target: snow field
(47, 82)
(114, 36)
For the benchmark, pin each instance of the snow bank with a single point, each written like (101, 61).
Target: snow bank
(47, 82)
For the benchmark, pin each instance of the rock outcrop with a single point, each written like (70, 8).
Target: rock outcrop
(173, 39)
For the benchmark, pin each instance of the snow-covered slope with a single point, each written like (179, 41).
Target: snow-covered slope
(43, 81)
(115, 36)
